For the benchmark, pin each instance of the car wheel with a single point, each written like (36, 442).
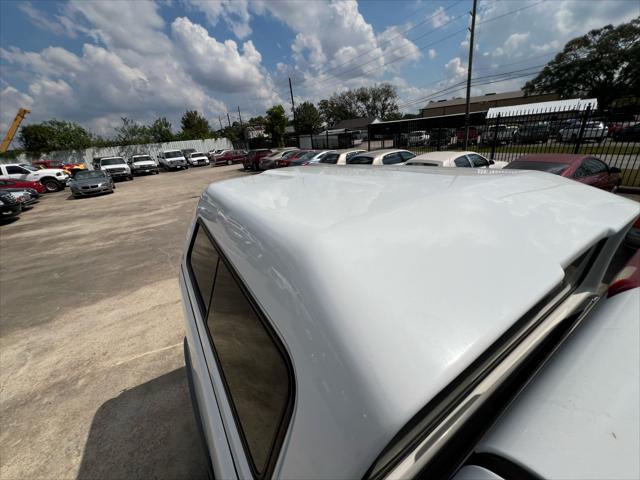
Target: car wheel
(130, 177)
(51, 184)
(76, 196)
(229, 162)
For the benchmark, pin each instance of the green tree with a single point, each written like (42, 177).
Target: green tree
(259, 120)
(380, 101)
(160, 131)
(308, 118)
(132, 133)
(604, 63)
(275, 124)
(54, 135)
(194, 126)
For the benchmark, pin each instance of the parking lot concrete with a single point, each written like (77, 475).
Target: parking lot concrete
(92, 379)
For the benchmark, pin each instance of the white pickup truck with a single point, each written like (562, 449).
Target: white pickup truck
(116, 167)
(54, 179)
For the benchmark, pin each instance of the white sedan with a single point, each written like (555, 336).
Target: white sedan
(381, 157)
(454, 159)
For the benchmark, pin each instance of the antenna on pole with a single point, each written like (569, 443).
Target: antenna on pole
(469, 68)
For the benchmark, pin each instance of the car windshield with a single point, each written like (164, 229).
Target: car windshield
(173, 154)
(197, 154)
(550, 167)
(29, 167)
(89, 174)
(142, 158)
(112, 161)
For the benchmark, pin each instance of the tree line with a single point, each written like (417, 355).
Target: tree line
(55, 134)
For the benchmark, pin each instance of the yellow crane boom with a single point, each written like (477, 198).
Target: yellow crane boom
(13, 129)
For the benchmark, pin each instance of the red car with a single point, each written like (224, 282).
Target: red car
(229, 157)
(296, 155)
(251, 161)
(582, 168)
(13, 183)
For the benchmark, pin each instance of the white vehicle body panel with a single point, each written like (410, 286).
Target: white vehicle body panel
(197, 158)
(378, 155)
(33, 176)
(592, 131)
(350, 402)
(177, 161)
(342, 158)
(447, 158)
(143, 160)
(580, 418)
(119, 170)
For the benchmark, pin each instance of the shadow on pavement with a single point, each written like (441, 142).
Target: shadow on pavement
(146, 432)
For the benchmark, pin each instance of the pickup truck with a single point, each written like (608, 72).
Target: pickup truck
(117, 167)
(302, 363)
(53, 179)
(172, 160)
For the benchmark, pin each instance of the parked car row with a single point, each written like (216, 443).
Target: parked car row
(17, 196)
(585, 169)
(536, 132)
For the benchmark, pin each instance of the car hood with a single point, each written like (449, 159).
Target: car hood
(90, 181)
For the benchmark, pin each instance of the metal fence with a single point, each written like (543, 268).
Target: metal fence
(612, 135)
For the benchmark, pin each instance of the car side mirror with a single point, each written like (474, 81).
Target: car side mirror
(491, 162)
(614, 170)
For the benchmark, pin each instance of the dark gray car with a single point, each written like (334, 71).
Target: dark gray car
(90, 182)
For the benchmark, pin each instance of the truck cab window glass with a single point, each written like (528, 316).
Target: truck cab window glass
(252, 365)
(462, 162)
(203, 261)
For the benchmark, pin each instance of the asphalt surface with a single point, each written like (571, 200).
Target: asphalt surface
(92, 378)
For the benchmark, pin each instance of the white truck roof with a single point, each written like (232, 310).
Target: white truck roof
(396, 281)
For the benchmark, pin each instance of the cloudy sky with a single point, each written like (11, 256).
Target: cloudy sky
(96, 61)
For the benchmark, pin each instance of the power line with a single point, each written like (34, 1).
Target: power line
(474, 83)
(512, 12)
(400, 34)
(355, 67)
(485, 77)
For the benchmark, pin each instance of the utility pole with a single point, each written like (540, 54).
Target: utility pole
(220, 120)
(293, 108)
(241, 127)
(469, 68)
(228, 120)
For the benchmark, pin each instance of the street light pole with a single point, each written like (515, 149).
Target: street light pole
(469, 69)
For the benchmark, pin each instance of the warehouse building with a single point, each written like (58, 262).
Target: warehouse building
(483, 103)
